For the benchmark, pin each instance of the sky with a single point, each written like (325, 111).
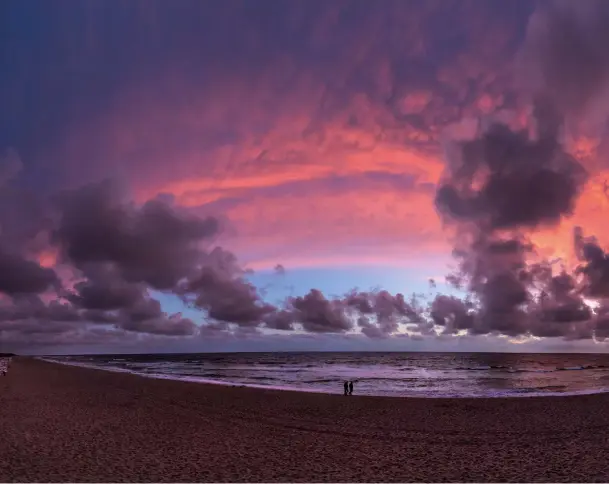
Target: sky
(305, 175)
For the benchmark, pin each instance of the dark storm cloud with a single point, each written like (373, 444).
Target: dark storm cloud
(369, 328)
(21, 276)
(282, 320)
(378, 313)
(32, 308)
(86, 339)
(594, 267)
(153, 244)
(504, 184)
(317, 314)
(388, 310)
(100, 316)
(525, 182)
(506, 181)
(452, 313)
(106, 298)
(497, 188)
(565, 52)
(30, 327)
(166, 326)
(602, 330)
(120, 251)
(226, 297)
(104, 290)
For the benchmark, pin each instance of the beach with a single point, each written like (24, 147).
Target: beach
(62, 423)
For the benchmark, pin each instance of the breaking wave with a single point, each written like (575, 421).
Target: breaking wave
(380, 374)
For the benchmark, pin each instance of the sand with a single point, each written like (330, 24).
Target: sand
(61, 423)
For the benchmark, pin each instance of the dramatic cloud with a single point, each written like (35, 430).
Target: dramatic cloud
(388, 310)
(452, 314)
(564, 53)
(317, 314)
(226, 297)
(496, 188)
(506, 180)
(154, 244)
(104, 290)
(32, 309)
(295, 134)
(504, 184)
(22, 276)
(120, 251)
(346, 100)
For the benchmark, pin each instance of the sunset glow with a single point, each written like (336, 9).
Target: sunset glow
(318, 137)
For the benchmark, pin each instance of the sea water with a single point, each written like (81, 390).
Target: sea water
(382, 374)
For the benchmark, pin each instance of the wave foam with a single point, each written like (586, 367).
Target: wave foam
(545, 391)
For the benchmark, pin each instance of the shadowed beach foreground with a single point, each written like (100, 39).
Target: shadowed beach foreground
(62, 423)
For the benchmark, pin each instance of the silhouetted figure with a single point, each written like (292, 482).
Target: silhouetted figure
(350, 388)
(346, 387)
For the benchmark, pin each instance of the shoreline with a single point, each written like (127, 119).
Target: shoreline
(65, 423)
(203, 381)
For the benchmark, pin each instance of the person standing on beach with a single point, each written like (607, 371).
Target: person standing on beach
(346, 387)
(351, 388)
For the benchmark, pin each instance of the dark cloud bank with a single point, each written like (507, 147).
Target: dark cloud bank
(497, 189)
(115, 253)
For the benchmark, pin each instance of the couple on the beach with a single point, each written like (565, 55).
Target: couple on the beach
(348, 387)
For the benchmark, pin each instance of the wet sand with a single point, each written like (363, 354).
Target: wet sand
(62, 423)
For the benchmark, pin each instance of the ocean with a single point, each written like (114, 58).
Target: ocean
(383, 374)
